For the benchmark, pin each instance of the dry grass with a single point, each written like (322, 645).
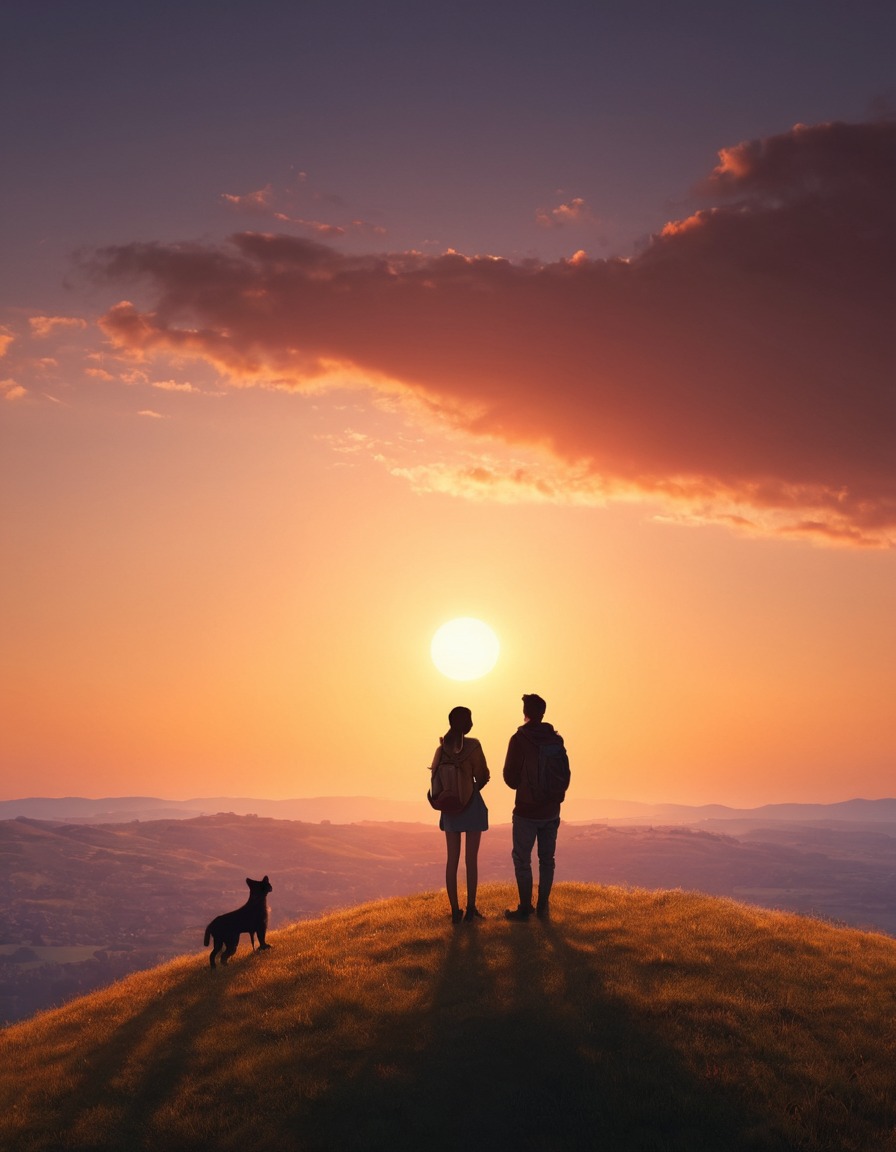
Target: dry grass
(633, 1020)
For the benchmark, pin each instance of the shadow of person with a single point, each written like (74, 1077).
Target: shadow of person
(521, 1044)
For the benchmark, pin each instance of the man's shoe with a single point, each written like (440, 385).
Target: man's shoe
(473, 913)
(543, 912)
(518, 913)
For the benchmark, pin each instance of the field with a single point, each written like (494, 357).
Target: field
(632, 1020)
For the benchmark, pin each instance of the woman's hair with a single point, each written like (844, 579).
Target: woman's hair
(460, 720)
(458, 715)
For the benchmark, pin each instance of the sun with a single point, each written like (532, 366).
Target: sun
(464, 649)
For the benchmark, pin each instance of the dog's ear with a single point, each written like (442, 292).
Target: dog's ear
(265, 880)
(248, 881)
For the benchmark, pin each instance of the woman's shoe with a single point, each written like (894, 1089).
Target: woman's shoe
(456, 916)
(473, 913)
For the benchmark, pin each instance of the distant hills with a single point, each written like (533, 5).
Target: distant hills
(122, 809)
(354, 809)
(632, 1020)
(83, 904)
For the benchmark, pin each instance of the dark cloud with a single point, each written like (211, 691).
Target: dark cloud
(742, 366)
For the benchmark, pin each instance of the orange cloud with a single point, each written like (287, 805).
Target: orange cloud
(6, 338)
(854, 161)
(280, 205)
(740, 369)
(46, 325)
(316, 226)
(575, 212)
(254, 203)
(10, 390)
(174, 386)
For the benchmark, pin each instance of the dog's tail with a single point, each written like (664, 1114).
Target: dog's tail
(208, 934)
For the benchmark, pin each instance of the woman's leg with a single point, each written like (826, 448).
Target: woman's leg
(471, 861)
(452, 840)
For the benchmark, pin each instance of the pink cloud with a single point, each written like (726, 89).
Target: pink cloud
(6, 338)
(740, 369)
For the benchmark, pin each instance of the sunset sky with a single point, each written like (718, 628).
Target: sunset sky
(324, 323)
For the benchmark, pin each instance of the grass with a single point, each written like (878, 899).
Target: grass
(633, 1020)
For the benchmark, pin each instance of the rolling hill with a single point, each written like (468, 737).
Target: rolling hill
(633, 1020)
(83, 905)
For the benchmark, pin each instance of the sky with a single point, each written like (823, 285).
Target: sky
(322, 324)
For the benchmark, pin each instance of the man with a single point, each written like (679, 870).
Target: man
(536, 814)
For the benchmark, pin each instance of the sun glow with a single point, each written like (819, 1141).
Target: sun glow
(465, 649)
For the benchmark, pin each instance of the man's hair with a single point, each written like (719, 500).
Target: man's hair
(533, 706)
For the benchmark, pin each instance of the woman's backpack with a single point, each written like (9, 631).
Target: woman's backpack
(450, 789)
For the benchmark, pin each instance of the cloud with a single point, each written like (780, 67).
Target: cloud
(739, 370)
(10, 390)
(491, 480)
(134, 378)
(174, 386)
(150, 414)
(47, 325)
(575, 212)
(254, 203)
(329, 231)
(6, 338)
(280, 205)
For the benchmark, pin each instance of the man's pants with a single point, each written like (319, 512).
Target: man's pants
(525, 833)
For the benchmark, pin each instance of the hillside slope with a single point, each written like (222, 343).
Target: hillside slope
(632, 1020)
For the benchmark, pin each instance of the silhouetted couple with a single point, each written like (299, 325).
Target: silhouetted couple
(532, 758)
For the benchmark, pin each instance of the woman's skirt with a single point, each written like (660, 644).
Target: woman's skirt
(474, 817)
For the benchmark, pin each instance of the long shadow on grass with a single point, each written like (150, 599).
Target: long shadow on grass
(521, 1046)
(133, 1073)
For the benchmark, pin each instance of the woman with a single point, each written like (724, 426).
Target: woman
(457, 748)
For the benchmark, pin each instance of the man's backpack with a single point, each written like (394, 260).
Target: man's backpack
(552, 775)
(450, 790)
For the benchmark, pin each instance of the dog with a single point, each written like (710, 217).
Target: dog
(225, 930)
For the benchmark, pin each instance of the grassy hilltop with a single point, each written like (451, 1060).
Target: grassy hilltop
(633, 1021)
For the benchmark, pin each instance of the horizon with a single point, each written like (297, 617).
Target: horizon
(400, 799)
(575, 810)
(579, 327)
